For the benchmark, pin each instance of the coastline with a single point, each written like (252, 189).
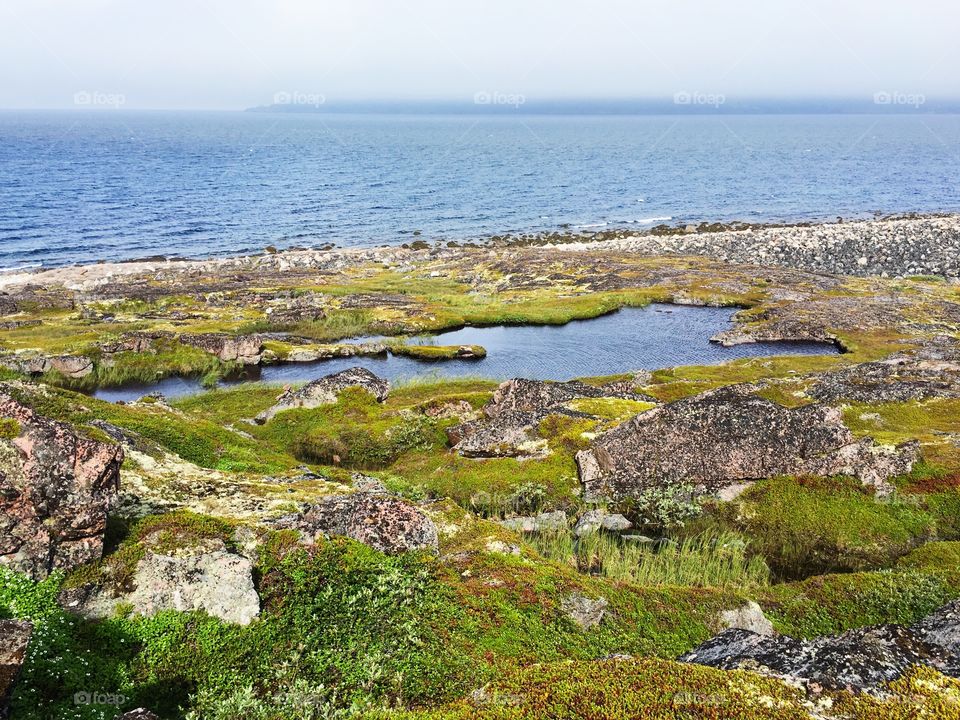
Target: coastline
(889, 247)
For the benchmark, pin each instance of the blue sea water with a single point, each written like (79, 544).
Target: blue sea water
(87, 186)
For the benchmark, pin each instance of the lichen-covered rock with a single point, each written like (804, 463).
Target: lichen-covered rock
(584, 611)
(213, 580)
(14, 638)
(555, 521)
(55, 488)
(324, 391)
(942, 627)
(595, 520)
(383, 522)
(862, 659)
(746, 617)
(510, 418)
(728, 436)
(892, 380)
(31, 363)
(243, 349)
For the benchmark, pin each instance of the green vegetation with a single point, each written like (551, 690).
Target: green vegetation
(9, 428)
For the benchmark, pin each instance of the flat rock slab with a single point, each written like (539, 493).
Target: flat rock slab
(324, 391)
(218, 582)
(381, 521)
(728, 436)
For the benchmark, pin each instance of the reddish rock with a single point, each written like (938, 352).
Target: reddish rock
(729, 436)
(55, 488)
(14, 637)
(243, 349)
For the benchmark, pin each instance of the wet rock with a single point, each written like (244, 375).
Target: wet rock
(728, 436)
(747, 617)
(14, 638)
(595, 520)
(543, 523)
(383, 522)
(862, 659)
(324, 391)
(55, 488)
(243, 349)
(510, 418)
(213, 580)
(584, 611)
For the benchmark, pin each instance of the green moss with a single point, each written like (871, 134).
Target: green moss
(437, 352)
(9, 428)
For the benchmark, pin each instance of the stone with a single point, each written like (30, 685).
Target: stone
(543, 523)
(324, 391)
(942, 627)
(862, 660)
(242, 349)
(383, 522)
(747, 617)
(728, 436)
(584, 611)
(594, 520)
(56, 486)
(138, 714)
(892, 380)
(215, 581)
(71, 366)
(510, 418)
(14, 638)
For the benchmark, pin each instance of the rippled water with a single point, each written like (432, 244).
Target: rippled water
(85, 186)
(632, 339)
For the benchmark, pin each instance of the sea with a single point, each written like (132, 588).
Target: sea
(88, 186)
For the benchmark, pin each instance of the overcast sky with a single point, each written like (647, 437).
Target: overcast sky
(233, 54)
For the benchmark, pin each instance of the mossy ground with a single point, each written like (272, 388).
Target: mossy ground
(349, 632)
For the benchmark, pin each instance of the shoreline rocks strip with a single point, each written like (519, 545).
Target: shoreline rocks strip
(894, 247)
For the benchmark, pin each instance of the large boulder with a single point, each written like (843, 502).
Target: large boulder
(211, 579)
(726, 437)
(243, 349)
(383, 522)
(891, 380)
(14, 638)
(510, 418)
(30, 363)
(862, 660)
(55, 489)
(324, 391)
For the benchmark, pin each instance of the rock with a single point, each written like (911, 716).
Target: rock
(55, 488)
(584, 611)
(215, 581)
(325, 352)
(594, 520)
(542, 523)
(862, 659)
(14, 638)
(454, 409)
(366, 484)
(324, 391)
(892, 380)
(510, 418)
(71, 366)
(138, 714)
(243, 349)
(942, 627)
(383, 522)
(728, 436)
(747, 617)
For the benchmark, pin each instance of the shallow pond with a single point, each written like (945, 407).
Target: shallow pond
(656, 336)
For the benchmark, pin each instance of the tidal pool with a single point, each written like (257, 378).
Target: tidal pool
(656, 336)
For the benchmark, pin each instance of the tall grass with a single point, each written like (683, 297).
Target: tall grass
(710, 559)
